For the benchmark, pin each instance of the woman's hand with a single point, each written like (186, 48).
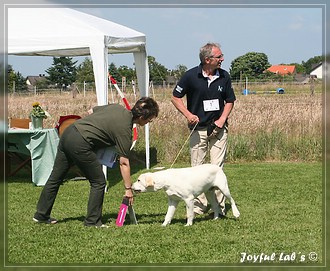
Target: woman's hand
(129, 195)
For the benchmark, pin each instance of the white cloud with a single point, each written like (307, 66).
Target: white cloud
(298, 22)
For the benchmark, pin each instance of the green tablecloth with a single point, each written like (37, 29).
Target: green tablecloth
(41, 145)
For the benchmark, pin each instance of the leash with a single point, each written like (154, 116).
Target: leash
(128, 107)
(184, 145)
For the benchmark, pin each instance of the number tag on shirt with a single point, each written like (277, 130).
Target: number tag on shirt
(211, 105)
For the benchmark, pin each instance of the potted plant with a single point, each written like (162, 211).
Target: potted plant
(37, 115)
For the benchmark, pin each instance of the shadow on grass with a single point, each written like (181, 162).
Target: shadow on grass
(21, 178)
(68, 219)
(148, 219)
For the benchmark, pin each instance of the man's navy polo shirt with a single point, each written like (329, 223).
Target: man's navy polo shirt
(195, 86)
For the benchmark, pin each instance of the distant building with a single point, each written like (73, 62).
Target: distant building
(317, 71)
(301, 78)
(283, 69)
(32, 81)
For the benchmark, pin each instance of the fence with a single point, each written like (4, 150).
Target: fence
(255, 87)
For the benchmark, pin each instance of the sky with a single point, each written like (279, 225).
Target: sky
(286, 34)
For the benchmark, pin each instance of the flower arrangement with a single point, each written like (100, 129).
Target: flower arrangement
(38, 111)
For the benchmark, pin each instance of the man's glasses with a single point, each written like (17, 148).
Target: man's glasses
(220, 56)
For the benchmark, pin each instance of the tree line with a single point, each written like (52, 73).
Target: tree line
(64, 71)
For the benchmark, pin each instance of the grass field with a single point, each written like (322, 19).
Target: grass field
(281, 215)
(274, 169)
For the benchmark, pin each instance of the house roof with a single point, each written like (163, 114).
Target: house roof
(32, 80)
(316, 66)
(282, 69)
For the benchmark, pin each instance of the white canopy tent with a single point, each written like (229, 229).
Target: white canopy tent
(67, 32)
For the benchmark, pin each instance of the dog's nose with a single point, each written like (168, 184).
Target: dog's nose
(136, 190)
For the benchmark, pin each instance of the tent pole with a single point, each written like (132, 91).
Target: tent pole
(147, 146)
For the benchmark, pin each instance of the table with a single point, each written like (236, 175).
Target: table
(41, 145)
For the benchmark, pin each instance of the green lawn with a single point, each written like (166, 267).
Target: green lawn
(281, 218)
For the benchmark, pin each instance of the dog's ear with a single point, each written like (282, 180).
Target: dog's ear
(149, 180)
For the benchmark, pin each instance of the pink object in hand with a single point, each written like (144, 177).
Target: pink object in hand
(122, 212)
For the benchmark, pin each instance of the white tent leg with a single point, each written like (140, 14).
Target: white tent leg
(100, 66)
(146, 128)
(142, 71)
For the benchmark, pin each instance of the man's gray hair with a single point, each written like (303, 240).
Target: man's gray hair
(206, 51)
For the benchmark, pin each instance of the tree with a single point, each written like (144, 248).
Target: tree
(113, 71)
(311, 62)
(157, 71)
(11, 78)
(179, 71)
(16, 81)
(127, 72)
(299, 67)
(85, 71)
(251, 65)
(63, 71)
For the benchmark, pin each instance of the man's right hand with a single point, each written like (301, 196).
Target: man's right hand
(192, 119)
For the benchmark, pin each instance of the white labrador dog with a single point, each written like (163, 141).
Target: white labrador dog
(186, 184)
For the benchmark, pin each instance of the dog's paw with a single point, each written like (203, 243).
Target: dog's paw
(188, 224)
(236, 214)
(165, 224)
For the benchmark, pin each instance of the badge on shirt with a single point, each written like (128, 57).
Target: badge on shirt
(211, 105)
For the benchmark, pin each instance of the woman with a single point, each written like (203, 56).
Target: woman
(108, 125)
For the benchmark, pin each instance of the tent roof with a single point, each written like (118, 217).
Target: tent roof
(66, 32)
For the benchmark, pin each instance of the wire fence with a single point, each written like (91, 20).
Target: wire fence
(252, 87)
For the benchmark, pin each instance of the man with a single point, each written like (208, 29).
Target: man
(108, 125)
(210, 99)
